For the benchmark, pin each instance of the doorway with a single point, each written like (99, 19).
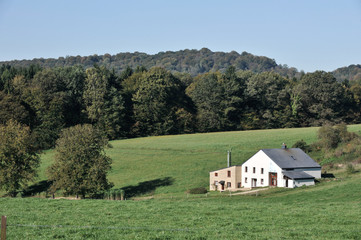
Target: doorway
(273, 179)
(254, 182)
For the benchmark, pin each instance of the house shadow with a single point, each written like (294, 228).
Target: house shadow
(36, 188)
(146, 187)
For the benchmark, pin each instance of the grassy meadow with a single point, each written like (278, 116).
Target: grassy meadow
(169, 165)
(329, 210)
(186, 160)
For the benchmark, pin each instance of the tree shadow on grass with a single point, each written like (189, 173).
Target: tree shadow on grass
(146, 187)
(36, 188)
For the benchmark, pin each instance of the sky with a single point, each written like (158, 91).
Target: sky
(308, 35)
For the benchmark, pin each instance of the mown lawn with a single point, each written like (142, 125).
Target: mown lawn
(329, 210)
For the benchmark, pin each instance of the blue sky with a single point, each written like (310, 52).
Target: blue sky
(309, 34)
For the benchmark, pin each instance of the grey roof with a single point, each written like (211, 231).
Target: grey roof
(291, 158)
(297, 174)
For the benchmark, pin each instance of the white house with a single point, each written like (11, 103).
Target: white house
(281, 167)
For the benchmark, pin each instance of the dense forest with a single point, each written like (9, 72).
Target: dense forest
(156, 101)
(193, 62)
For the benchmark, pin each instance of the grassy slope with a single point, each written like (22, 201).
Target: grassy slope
(189, 158)
(329, 210)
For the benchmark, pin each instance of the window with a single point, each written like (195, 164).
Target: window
(262, 180)
(216, 174)
(239, 185)
(245, 180)
(261, 170)
(245, 169)
(254, 170)
(216, 183)
(228, 185)
(228, 173)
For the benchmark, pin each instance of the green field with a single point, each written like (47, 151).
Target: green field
(329, 210)
(172, 164)
(186, 160)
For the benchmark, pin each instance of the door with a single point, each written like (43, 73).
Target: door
(273, 179)
(254, 182)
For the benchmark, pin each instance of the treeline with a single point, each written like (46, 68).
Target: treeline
(193, 62)
(143, 102)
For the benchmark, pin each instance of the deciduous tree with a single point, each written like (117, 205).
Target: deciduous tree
(81, 165)
(18, 159)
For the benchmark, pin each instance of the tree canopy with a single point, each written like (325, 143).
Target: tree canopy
(80, 165)
(18, 159)
(155, 101)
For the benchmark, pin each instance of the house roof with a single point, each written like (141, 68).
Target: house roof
(291, 158)
(297, 175)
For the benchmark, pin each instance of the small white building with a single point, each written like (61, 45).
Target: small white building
(281, 167)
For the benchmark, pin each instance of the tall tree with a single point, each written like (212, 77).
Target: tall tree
(81, 165)
(47, 97)
(208, 94)
(103, 101)
(11, 108)
(234, 86)
(156, 102)
(322, 99)
(268, 101)
(18, 159)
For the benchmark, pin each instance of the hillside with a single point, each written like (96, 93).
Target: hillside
(328, 210)
(351, 73)
(173, 164)
(193, 62)
(189, 61)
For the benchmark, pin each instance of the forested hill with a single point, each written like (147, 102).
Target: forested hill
(351, 73)
(193, 62)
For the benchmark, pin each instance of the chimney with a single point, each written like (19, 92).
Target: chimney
(229, 163)
(284, 146)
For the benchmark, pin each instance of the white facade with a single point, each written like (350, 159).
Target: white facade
(261, 171)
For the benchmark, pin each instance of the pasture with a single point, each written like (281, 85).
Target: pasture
(329, 210)
(165, 167)
(173, 164)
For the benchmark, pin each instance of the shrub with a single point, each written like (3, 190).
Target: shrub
(303, 145)
(350, 168)
(199, 190)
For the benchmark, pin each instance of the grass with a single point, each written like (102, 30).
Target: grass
(188, 159)
(329, 210)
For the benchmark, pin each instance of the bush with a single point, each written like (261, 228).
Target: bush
(303, 145)
(350, 168)
(199, 190)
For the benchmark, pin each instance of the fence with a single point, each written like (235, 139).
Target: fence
(3, 228)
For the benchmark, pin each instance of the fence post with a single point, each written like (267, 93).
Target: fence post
(3, 228)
